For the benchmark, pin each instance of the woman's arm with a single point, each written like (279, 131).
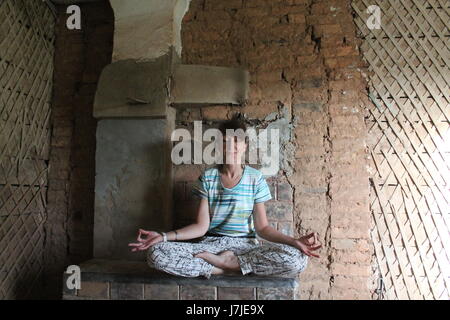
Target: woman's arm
(304, 244)
(191, 231)
(194, 230)
(265, 231)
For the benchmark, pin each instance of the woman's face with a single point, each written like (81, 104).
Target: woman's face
(233, 149)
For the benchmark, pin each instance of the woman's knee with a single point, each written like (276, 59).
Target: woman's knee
(301, 262)
(294, 260)
(155, 253)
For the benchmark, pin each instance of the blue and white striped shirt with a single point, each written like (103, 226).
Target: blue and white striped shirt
(231, 210)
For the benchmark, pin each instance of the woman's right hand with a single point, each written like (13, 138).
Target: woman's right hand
(151, 239)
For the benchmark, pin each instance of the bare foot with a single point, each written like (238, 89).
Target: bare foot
(216, 270)
(225, 260)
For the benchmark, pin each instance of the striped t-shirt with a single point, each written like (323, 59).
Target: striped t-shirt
(231, 209)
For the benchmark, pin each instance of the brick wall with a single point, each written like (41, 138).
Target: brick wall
(305, 66)
(79, 59)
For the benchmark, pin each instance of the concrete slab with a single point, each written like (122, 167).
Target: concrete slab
(128, 89)
(140, 272)
(133, 186)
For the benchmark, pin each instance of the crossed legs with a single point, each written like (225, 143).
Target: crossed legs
(224, 262)
(225, 255)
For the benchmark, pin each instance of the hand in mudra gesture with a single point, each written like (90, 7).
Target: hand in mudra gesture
(151, 238)
(307, 244)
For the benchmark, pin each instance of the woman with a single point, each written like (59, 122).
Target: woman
(230, 214)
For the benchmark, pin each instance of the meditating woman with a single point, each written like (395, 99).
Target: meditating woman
(230, 214)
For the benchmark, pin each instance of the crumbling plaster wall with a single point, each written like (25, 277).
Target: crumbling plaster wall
(307, 75)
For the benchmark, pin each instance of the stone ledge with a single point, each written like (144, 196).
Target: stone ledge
(139, 272)
(124, 280)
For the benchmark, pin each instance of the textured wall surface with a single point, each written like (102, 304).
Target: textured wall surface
(131, 175)
(27, 46)
(79, 59)
(305, 68)
(305, 72)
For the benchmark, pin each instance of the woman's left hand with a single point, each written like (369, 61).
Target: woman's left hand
(307, 244)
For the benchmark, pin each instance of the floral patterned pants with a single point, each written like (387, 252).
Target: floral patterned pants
(177, 258)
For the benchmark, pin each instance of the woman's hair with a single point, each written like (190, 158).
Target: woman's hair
(236, 122)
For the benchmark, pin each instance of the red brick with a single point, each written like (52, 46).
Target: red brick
(286, 228)
(343, 62)
(340, 51)
(272, 187)
(297, 18)
(276, 91)
(280, 211)
(351, 256)
(333, 41)
(315, 149)
(318, 19)
(359, 284)
(354, 231)
(350, 294)
(350, 194)
(320, 8)
(307, 60)
(311, 182)
(318, 223)
(350, 269)
(344, 108)
(264, 77)
(308, 162)
(286, 10)
(348, 144)
(298, 2)
(260, 110)
(344, 85)
(310, 95)
(256, 12)
(284, 191)
(189, 115)
(215, 113)
(314, 70)
(221, 5)
(258, 3)
(305, 52)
